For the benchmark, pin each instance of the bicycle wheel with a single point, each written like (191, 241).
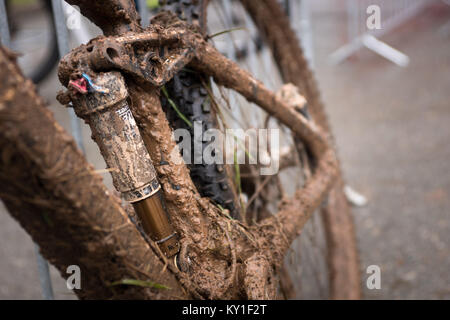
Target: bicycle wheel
(343, 262)
(308, 271)
(33, 35)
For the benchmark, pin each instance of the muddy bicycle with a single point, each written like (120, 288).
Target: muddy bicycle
(202, 230)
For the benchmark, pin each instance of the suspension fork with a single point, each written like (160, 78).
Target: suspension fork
(102, 103)
(105, 108)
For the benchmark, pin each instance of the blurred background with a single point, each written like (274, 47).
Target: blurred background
(387, 94)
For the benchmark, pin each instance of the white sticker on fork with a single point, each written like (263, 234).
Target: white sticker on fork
(126, 115)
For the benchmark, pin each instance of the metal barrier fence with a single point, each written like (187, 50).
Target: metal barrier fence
(392, 13)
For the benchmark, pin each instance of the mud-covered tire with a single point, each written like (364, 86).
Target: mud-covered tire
(190, 96)
(186, 90)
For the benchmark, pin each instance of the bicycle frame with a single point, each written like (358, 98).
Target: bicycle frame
(205, 232)
(152, 68)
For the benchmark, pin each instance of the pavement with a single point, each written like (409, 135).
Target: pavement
(392, 131)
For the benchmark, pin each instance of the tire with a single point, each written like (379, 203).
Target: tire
(188, 93)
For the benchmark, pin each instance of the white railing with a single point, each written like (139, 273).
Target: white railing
(392, 13)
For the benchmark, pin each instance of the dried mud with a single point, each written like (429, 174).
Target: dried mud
(220, 258)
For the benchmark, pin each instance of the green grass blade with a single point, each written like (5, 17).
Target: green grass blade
(224, 212)
(139, 283)
(225, 31)
(174, 106)
(152, 4)
(237, 172)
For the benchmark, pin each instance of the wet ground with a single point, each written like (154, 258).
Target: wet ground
(392, 130)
